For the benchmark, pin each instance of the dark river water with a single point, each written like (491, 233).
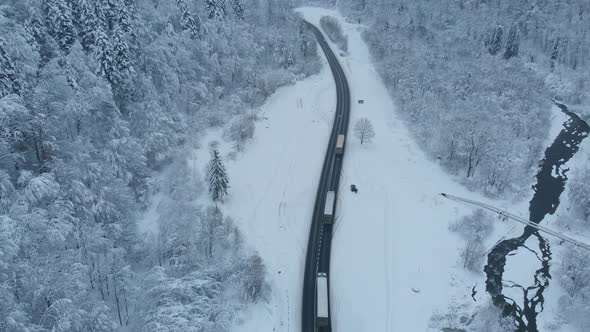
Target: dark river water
(551, 181)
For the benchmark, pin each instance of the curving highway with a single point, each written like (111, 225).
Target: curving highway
(320, 234)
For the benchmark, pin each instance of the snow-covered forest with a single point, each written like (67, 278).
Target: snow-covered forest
(475, 78)
(99, 103)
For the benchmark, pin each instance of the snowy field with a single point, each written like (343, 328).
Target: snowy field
(394, 261)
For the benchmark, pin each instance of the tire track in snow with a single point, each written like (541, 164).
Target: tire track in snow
(388, 248)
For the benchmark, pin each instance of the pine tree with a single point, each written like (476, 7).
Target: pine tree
(104, 55)
(59, 22)
(89, 24)
(109, 10)
(125, 20)
(512, 43)
(218, 180)
(495, 42)
(9, 82)
(123, 65)
(187, 20)
(238, 9)
(216, 9)
(555, 52)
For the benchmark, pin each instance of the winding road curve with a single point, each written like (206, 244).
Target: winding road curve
(320, 234)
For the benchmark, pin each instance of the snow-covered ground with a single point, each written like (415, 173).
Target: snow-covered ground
(394, 261)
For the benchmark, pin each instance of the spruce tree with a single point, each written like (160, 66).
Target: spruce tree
(59, 22)
(9, 82)
(123, 65)
(555, 52)
(38, 38)
(512, 43)
(238, 9)
(187, 20)
(215, 9)
(495, 42)
(125, 20)
(89, 24)
(109, 11)
(104, 55)
(218, 180)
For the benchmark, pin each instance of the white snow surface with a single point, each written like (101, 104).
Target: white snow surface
(394, 262)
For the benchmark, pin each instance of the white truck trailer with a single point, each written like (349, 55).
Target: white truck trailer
(329, 208)
(340, 144)
(322, 310)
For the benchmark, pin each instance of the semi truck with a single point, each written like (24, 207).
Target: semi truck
(340, 144)
(322, 310)
(329, 208)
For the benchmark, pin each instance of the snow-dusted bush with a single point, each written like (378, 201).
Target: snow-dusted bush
(474, 228)
(270, 81)
(333, 29)
(241, 129)
(579, 192)
(463, 317)
(574, 277)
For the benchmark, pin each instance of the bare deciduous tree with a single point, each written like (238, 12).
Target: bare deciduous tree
(363, 130)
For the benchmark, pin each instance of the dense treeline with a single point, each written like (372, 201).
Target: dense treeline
(96, 99)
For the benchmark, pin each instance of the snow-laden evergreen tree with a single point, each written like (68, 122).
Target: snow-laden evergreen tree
(89, 24)
(512, 42)
(103, 53)
(39, 39)
(59, 22)
(555, 52)
(187, 20)
(124, 17)
(238, 8)
(123, 64)
(9, 81)
(216, 9)
(109, 9)
(218, 180)
(34, 31)
(495, 41)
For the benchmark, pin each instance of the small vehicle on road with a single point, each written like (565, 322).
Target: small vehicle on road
(353, 188)
(329, 208)
(322, 310)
